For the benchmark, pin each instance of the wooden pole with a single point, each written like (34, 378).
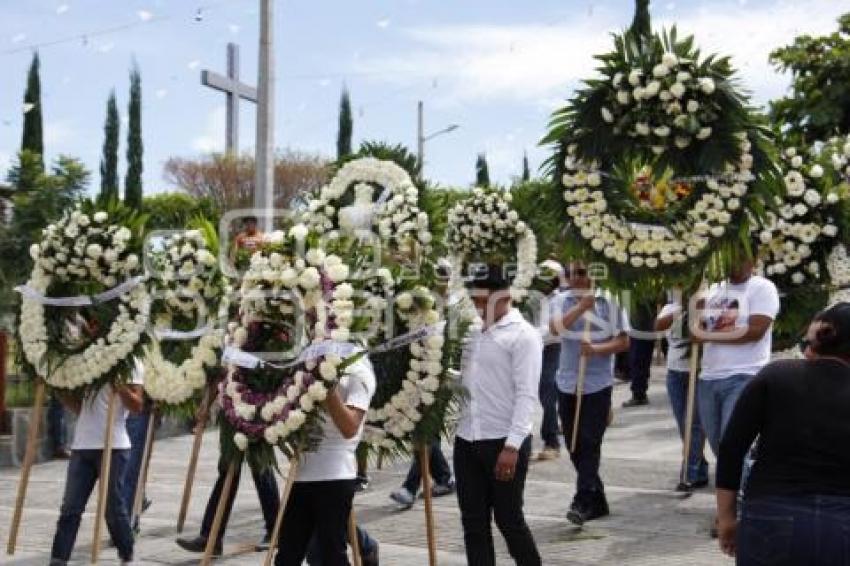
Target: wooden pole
(29, 458)
(4, 349)
(193, 464)
(103, 480)
(219, 512)
(142, 480)
(425, 468)
(689, 411)
(352, 538)
(278, 523)
(582, 370)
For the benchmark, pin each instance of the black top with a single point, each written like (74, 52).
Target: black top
(800, 411)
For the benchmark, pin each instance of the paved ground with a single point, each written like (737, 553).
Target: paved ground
(649, 525)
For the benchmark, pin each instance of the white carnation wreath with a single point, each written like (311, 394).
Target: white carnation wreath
(84, 248)
(483, 224)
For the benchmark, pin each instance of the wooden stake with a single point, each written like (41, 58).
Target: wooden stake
(425, 468)
(582, 370)
(352, 538)
(142, 481)
(212, 537)
(689, 411)
(103, 480)
(278, 524)
(193, 465)
(29, 458)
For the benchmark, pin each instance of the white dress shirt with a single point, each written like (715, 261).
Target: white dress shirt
(501, 371)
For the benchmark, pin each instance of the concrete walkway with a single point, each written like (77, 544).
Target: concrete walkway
(649, 524)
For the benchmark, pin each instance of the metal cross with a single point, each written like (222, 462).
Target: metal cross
(234, 90)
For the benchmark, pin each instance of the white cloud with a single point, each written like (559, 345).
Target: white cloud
(212, 137)
(541, 64)
(144, 15)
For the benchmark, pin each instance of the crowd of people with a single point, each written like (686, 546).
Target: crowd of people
(780, 431)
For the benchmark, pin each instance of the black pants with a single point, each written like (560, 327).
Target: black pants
(266, 486)
(319, 508)
(441, 474)
(592, 424)
(640, 363)
(481, 495)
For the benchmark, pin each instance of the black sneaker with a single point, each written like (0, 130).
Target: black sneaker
(197, 544)
(577, 513)
(264, 543)
(636, 401)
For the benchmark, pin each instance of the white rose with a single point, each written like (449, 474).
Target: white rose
(404, 301)
(100, 217)
(607, 116)
(318, 392)
(706, 84)
(796, 161)
(34, 251)
(704, 133)
(660, 70)
(816, 171)
(652, 89)
(642, 128)
(677, 90)
(634, 77)
(241, 441)
(299, 232)
(338, 272)
(340, 334)
(623, 97)
(669, 59)
(309, 278)
(692, 106)
(327, 370)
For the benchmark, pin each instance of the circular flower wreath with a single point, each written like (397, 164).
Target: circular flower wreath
(86, 253)
(838, 265)
(370, 194)
(294, 295)
(485, 228)
(193, 299)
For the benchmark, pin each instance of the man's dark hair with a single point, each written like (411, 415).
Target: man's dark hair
(490, 276)
(833, 337)
(249, 219)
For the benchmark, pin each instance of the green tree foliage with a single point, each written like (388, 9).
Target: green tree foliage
(175, 210)
(526, 170)
(32, 138)
(135, 149)
(541, 208)
(397, 153)
(39, 198)
(482, 172)
(346, 126)
(109, 159)
(818, 105)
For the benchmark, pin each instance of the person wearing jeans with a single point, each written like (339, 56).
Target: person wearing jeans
(606, 323)
(137, 430)
(84, 467)
(56, 427)
(441, 476)
(552, 273)
(671, 319)
(323, 492)
(500, 371)
(735, 328)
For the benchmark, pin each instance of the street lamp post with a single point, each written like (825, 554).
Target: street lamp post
(421, 138)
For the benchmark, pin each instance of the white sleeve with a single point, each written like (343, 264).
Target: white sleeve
(764, 300)
(361, 385)
(670, 309)
(526, 362)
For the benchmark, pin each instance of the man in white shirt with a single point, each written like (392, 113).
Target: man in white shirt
(320, 502)
(500, 372)
(736, 330)
(84, 466)
(552, 273)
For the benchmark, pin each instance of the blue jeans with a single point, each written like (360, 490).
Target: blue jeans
(137, 428)
(83, 472)
(716, 399)
(548, 394)
(677, 391)
(792, 530)
(56, 422)
(441, 473)
(640, 364)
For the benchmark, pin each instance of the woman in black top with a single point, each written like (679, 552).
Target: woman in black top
(796, 507)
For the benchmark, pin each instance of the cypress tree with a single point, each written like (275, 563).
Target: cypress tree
(133, 179)
(526, 171)
(346, 126)
(109, 160)
(482, 172)
(32, 139)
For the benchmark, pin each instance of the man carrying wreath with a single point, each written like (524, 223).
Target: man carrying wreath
(500, 371)
(594, 327)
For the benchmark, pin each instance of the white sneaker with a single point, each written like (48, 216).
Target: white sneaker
(403, 498)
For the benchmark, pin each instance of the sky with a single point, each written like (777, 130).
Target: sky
(496, 68)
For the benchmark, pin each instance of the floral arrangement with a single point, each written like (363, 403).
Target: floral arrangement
(484, 228)
(84, 310)
(191, 299)
(838, 265)
(660, 161)
(297, 305)
(369, 195)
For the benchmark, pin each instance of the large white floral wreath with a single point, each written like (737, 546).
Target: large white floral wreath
(652, 245)
(191, 291)
(484, 225)
(82, 251)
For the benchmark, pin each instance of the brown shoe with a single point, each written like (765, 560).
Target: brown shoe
(548, 453)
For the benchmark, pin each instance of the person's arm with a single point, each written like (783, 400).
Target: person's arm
(527, 357)
(743, 427)
(347, 419)
(757, 326)
(664, 320)
(619, 341)
(560, 323)
(132, 396)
